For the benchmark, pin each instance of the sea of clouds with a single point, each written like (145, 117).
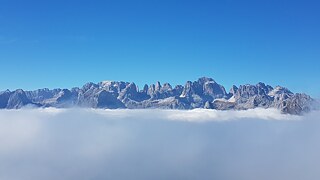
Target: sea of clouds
(258, 144)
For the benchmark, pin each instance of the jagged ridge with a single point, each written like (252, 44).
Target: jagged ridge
(203, 93)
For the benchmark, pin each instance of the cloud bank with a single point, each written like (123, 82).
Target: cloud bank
(158, 144)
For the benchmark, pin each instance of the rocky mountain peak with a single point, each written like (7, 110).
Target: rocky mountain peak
(166, 87)
(145, 89)
(233, 90)
(17, 99)
(203, 80)
(202, 93)
(157, 86)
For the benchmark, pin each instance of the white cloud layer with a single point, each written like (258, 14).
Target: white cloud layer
(158, 144)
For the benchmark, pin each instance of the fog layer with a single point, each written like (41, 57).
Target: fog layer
(38, 144)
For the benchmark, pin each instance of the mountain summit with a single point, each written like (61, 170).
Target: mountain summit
(202, 93)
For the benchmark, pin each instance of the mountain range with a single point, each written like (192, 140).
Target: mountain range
(202, 93)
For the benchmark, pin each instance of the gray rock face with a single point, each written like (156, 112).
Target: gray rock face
(18, 99)
(202, 93)
(203, 90)
(251, 96)
(297, 103)
(4, 98)
(63, 98)
(106, 99)
(129, 93)
(41, 94)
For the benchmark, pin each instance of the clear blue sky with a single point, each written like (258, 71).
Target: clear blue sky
(61, 43)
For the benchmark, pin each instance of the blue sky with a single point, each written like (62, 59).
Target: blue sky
(64, 43)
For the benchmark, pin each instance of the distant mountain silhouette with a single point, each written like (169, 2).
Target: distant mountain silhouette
(203, 93)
